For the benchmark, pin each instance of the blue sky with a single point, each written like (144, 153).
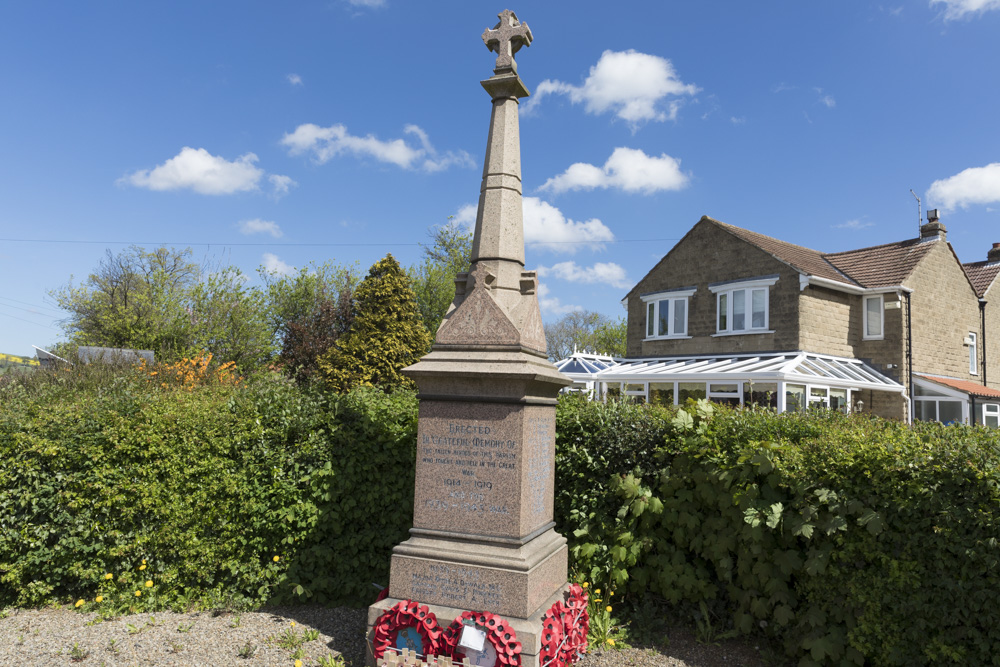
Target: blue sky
(288, 133)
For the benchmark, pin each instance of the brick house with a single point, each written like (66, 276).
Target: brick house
(903, 330)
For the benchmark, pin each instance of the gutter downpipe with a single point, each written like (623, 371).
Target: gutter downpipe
(909, 360)
(982, 328)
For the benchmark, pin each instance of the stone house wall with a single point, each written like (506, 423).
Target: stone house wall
(708, 254)
(945, 310)
(991, 336)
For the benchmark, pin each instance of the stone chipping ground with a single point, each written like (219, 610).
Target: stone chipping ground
(61, 636)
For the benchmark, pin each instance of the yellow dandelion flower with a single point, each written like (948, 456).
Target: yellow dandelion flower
(143, 561)
(109, 576)
(142, 567)
(298, 663)
(276, 559)
(597, 591)
(585, 584)
(608, 608)
(138, 594)
(79, 603)
(611, 641)
(293, 624)
(149, 584)
(611, 593)
(598, 600)
(99, 598)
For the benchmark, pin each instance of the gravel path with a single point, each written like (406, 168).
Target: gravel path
(48, 636)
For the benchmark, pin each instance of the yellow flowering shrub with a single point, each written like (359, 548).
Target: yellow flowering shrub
(192, 372)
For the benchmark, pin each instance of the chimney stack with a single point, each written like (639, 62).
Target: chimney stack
(994, 253)
(932, 229)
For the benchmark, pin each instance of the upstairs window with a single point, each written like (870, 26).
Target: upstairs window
(973, 361)
(743, 307)
(667, 313)
(874, 317)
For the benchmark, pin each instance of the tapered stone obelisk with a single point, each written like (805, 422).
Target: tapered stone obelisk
(483, 536)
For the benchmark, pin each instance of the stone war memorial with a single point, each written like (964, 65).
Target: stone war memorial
(482, 576)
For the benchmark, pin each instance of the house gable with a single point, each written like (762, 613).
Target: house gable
(707, 259)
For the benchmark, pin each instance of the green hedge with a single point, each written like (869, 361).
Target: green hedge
(844, 538)
(204, 486)
(847, 539)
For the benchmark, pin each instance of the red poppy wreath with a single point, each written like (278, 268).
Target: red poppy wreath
(407, 625)
(501, 648)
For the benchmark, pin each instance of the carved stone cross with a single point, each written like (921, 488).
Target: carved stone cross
(506, 38)
(480, 278)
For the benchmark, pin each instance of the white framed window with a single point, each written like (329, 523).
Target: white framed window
(743, 306)
(991, 415)
(973, 358)
(874, 320)
(667, 313)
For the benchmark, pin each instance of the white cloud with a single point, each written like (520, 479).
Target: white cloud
(435, 161)
(854, 224)
(737, 120)
(199, 170)
(281, 184)
(628, 169)
(605, 273)
(325, 143)
(545, 226)
(634, 86)
(960, 9)
(258, 226)
(552, 305)
(294, 79)
(976, 185)
(367, 3)
(826, 100)
(272, 264)
(466, 216)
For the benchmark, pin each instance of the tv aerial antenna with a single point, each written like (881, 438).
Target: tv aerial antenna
(920, 215)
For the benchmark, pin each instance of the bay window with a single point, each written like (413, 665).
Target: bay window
(743, 306)
(667, 313)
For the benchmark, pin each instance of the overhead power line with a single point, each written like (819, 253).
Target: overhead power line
(37, 324)
(313, 244)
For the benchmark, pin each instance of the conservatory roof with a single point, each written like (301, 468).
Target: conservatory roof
(797, 366)
(584, 364)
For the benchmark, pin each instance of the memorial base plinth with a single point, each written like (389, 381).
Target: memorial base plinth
(479, 574)
(528, 630)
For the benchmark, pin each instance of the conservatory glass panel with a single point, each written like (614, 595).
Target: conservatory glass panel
(661, 393)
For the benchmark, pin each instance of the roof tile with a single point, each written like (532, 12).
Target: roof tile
(878, 266)
(883, 265)
(964, 385)
(982, 275)
(805, 260)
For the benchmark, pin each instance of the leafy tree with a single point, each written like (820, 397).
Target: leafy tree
(609, 337)
(386, 334)
(308, 338)
(298, 297)
(134, 299)
(585, 330)
(433, 280)
(162, 301)
(229, 320)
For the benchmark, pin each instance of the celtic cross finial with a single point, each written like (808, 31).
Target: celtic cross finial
(506, 38)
